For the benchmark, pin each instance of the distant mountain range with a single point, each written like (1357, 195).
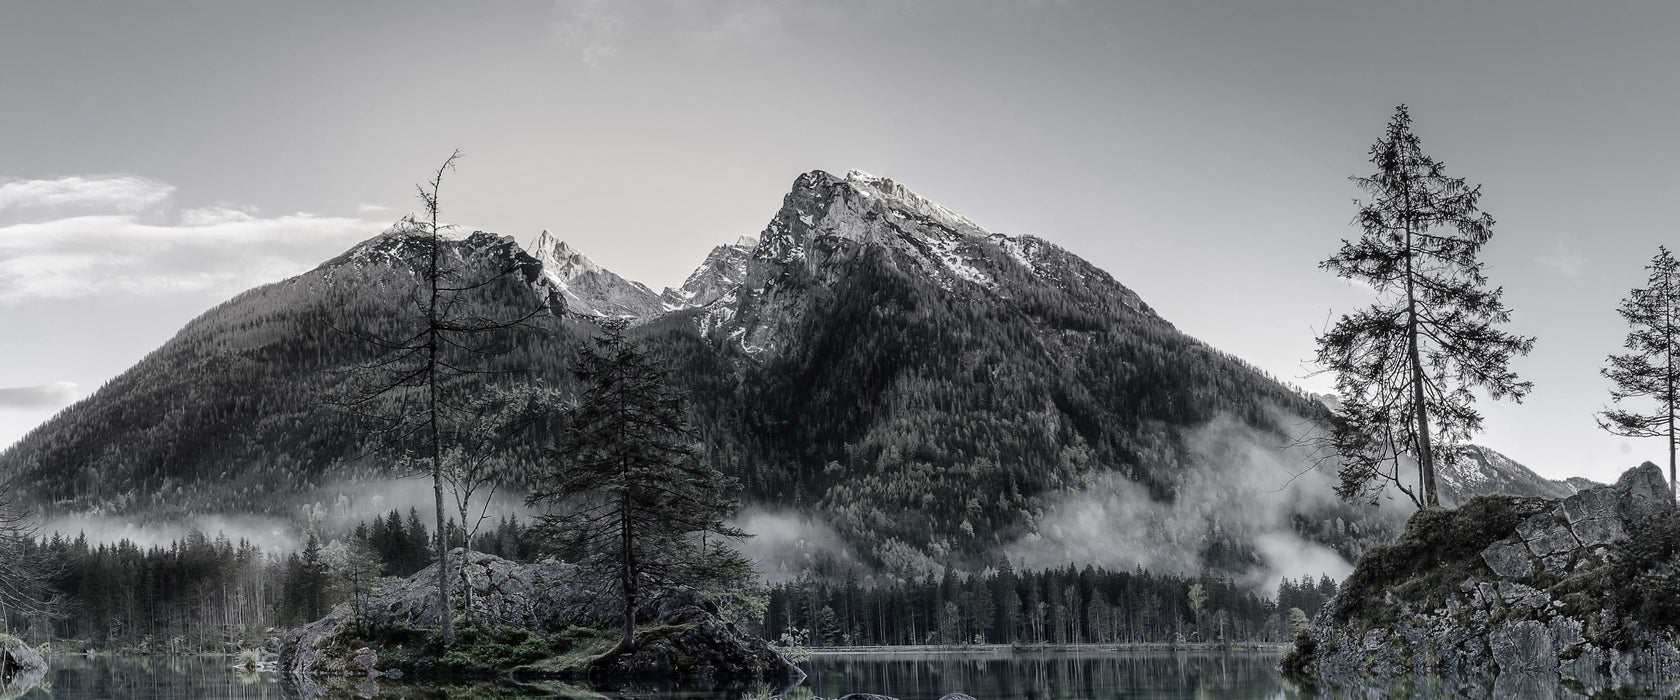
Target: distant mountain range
(896, 388)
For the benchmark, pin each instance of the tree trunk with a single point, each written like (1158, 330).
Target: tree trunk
(1425, 456)
(627, 571)
(446, 612)
(466, 581)
(1674, 491)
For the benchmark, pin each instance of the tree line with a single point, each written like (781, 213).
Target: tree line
(207, 593)
(1068, 605)
(212, 593)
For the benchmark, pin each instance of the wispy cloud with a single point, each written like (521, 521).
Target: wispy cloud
(213, 216)
(592, 28)
(1563, 259)
(596, 30)
(107, 248)
(124, 194)
(54, 395)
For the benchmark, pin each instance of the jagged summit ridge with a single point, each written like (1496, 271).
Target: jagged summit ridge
(723, 270)
(865, 209)
(589, 288)
(561, 260)
(827, 223)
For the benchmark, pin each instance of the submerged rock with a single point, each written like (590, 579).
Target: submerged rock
(1584, 588)
(21, 667)
(680, 634)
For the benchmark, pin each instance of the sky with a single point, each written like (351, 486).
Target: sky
(160, 157)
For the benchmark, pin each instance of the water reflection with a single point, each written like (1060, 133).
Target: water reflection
(1050, 676)
(1090, 675)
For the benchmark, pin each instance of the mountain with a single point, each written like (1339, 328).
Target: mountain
(896, 388)
(933, 391)
(236, 414)
(589, 288)
(1482, 471)
(723, 270)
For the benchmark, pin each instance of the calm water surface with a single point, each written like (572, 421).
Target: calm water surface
(1088, 675)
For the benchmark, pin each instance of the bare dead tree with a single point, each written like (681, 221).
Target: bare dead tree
(25, 575)
(416, 399)
(478, 461)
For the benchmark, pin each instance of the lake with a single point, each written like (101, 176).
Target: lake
(1000, 675)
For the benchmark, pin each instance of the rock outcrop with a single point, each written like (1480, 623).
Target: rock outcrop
(874, 696)
(21, 667)
(1580, 587)
(682, 635)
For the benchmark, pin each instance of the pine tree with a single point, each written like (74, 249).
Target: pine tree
(1405, 365)
(1651, 369)
(627, 494)
(312, 579)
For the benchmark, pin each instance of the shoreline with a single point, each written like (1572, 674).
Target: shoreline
(1278, 647)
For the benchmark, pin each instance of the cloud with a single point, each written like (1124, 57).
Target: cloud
(597, 30)
(1289, 556)
(1564, 260)
(211, 216)
(54, 395)
(122, 194)
(106, 248)
(786, 546)
(1246, 489)
(268, 534)
(592, 28)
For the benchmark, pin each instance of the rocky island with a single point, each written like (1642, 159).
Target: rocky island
(536, 620)
(1585, 587)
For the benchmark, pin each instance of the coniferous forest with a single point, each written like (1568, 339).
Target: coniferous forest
(206, 593)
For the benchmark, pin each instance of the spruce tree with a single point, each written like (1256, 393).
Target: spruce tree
(1649, 369)
(1406, 364)
(626, 492)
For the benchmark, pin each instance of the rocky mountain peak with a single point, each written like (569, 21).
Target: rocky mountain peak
(560, 258)
(723, 270)
(859, 207)
(588, 287)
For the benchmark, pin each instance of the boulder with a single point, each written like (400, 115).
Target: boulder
(1547, 534)
(20, 666)
(1507, 585)
(684, 637)
(1591, 504)
(1508, 559)
(1642, 493)
(1596, 531)
(1522, 647)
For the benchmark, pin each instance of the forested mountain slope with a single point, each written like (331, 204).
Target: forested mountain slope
(896, 388)
(237, 414)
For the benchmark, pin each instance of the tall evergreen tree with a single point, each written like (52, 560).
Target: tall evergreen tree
(627, 494)
(1651, 368)
(1405, 365)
